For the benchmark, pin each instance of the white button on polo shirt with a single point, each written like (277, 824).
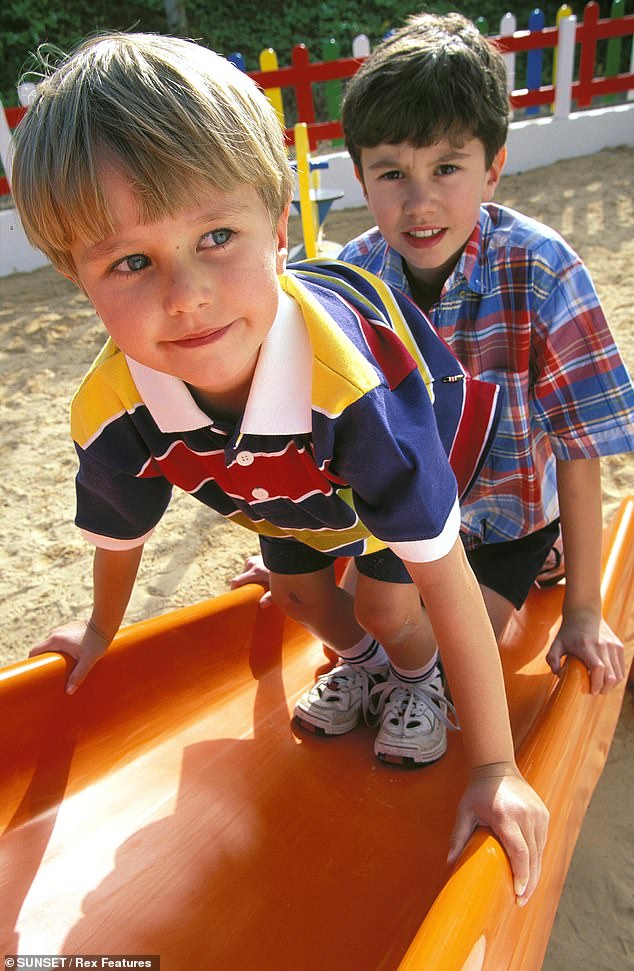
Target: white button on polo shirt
(245, 458)
(260, 494)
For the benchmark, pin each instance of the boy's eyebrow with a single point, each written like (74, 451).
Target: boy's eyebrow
(109, 246)
(390, 161)
(112, 245)
(222, 211)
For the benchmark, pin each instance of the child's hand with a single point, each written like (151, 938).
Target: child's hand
(593, 641)
(79, 640)
(499, 798)
(254, 571)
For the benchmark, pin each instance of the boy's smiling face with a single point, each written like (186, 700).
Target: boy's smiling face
(426, 201)
(192, 295)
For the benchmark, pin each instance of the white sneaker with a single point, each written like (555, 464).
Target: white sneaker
(414, 721)
(339, 699)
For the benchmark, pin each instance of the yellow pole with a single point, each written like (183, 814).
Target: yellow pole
(268, 62)
(306, 205)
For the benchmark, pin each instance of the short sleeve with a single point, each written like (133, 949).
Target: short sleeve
(388, 450)
(115, 509)
(583, 396)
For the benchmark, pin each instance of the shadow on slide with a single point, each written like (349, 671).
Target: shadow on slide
(168, 808)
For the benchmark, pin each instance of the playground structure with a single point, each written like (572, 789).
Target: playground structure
(168, 808)
(313, 201)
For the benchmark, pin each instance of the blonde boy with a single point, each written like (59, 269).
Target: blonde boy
(154, 175)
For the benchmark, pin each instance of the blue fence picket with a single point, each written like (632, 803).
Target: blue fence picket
(534, 59)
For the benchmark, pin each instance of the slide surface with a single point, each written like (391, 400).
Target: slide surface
(169, 808)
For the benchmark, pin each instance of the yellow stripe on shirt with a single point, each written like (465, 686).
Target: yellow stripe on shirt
(341, 375)
(105, 393)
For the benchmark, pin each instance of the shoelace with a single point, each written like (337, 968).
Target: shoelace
(410, 702)
(349, 675)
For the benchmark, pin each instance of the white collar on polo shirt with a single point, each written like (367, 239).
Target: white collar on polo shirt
(279, 401)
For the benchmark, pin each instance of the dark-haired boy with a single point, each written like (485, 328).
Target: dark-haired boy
(426, 120)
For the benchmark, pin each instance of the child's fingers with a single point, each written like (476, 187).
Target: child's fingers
(517, 817)
(619, 651)
(462, 832)
(78, 675)
(525, 852)
(523, 831)
(40, 649)
(602, 653)
(253, 571)
(85, 663)
(77, 640)
(554, 656)
(607, 672)
(524, 859)
(63, 640)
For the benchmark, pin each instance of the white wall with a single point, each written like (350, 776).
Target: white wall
(16, 253)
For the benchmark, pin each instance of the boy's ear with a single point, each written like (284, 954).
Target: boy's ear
(69, 276)
(281, 240)
(359, 175)
(494, 174)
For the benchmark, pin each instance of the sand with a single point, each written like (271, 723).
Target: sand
(48, 337)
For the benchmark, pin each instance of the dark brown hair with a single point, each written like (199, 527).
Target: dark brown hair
(437, 77)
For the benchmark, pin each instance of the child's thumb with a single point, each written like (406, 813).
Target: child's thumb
(553, 658)
(78, 675)
(459, 838)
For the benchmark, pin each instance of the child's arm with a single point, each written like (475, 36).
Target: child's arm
(497, 795)
(114, 573)
(583, 632)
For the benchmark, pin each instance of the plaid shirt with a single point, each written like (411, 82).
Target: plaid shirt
(520, 309)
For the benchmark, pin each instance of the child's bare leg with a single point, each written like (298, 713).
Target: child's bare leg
(408, 695)
(315, 600)
(499, 609)
(411, 702)
(339, 699)
(393, 614)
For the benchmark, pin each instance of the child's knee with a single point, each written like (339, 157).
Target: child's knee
(382, 619)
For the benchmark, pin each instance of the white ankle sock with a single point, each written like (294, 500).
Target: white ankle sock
(418, 674)
(367, 652)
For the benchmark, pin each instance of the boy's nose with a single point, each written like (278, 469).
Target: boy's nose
(187, 290)
(420, 199)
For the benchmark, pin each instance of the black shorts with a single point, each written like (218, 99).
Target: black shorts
(289, 556)
(509, 568)
(512, 567)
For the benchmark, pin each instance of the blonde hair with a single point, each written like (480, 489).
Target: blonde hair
(175, 116)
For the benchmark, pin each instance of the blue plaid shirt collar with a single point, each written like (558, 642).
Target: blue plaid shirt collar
(470, 268)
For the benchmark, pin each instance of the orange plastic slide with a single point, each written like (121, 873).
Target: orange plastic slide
(168, 808)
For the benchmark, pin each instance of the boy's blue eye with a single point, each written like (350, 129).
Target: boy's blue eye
(133, 263)
(219, 236)
(447, 169)
(392, 175)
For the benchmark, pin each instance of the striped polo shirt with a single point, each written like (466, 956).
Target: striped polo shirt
(360, 430)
